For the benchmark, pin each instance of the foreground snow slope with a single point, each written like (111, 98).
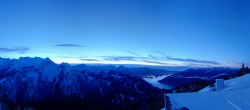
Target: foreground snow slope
(234, 84)
(235, 96)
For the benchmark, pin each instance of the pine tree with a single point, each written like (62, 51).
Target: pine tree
(242, 70)
(243, 66)
(247, 70)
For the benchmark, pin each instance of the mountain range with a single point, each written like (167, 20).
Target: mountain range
(37, 83)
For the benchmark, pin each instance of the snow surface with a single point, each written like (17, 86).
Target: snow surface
(234, 84)
(154, 82)
(235, 96)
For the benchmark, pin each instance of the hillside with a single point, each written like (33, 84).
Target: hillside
(193, 80)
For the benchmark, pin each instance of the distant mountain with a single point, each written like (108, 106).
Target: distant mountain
(36, 83)
(133, 71)
(168, 68)
(144, 71)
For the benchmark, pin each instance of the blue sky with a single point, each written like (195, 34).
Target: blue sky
(151, 32)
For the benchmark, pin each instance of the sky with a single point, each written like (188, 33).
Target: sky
(208, 33)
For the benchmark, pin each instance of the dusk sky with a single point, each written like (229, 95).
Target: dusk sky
(150, 32)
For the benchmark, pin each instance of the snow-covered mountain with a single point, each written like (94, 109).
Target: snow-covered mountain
(234, 96)
(36, 83)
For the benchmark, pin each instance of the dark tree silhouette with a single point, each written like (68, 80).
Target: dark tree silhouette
(243, 70)
(247, 70)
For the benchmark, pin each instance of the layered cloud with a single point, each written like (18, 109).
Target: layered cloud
(120, 58)
(89, 59)
(133, 53)
(157, 62)
(69, 45)
(151, 59)
(160, 60)
(192, 60)
(16, 49)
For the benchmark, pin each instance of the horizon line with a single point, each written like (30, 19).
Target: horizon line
(75, 61)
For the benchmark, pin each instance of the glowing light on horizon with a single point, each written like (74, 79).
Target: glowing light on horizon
(79, 61)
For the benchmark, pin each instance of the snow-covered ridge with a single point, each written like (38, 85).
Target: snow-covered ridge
(29, 65)
(234, 96)
(233, 84)
(22, 62)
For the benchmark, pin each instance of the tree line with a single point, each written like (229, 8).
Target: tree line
(243, 70)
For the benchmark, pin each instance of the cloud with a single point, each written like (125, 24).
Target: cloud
(69, 45)
(153, 57)
(89, 59)
(16, 49)
(159, 60)
(120, 58)
(159, 53)
(192, 60)
(82, 58)
(133, 53)
(156, 62)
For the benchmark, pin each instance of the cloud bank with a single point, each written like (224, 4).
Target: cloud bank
(16, 49)
(192, 60)
(120, 58)
(89, 59)
(69, 45)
